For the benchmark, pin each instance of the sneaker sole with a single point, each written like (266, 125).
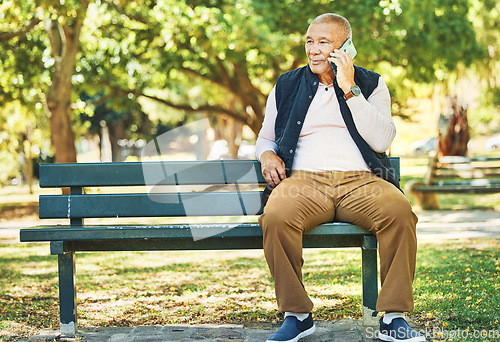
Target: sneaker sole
(299, 336)
(388, 338)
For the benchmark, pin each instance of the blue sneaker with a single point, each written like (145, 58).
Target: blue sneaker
(399, 331)
(292, 329)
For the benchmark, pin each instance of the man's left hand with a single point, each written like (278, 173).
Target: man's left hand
(345, 69)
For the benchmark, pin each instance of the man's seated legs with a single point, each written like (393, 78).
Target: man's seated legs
(378, 206)
(296, 205)
(307, 199)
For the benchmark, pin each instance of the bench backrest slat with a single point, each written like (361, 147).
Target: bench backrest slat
(157, 205)
(150, 173)
(155, 173)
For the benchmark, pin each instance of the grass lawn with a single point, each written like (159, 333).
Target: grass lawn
(457, 286)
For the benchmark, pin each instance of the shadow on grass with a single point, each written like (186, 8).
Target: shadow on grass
(456, 286)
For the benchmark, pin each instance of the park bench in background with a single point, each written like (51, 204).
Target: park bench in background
(457, 175)
(203, 193)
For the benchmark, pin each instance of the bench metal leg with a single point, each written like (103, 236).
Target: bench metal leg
(67, 293)
(370, 280)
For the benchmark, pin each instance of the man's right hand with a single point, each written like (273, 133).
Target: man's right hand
(273, 168)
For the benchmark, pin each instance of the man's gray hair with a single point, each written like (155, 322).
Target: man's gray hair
(333, 18)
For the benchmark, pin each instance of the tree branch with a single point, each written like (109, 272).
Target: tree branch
(56, 38)
(4, 36)
(197, 74)
(96, 102)
(186, 107)
(120, 10)
(242, 88)
(226, 82)
(226, 78)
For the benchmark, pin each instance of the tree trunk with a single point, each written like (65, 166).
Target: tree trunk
(27, 160)
(64, 40)
(62, 135)
(253, 100)
(230, 130)
(233, 137)
(116, 132)
(28, 171)
(454, 133)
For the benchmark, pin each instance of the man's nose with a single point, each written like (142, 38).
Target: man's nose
(315, 49)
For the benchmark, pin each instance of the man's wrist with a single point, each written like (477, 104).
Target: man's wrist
(348, 88)
(265, 152)
(353, 91)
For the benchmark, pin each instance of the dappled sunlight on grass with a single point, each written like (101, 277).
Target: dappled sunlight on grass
(457, 285)
(186, 290)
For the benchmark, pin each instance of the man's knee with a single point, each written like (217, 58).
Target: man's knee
(278, 219)
(398, 213)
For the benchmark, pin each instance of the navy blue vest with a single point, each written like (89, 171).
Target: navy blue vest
(294, 93)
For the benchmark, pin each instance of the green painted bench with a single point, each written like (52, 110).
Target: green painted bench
(454, 175)
(184, 201)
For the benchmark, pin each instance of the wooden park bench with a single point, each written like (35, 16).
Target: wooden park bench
(456, 175)
(185, 201)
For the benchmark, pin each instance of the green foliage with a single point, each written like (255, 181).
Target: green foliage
(221, 54)
(23, 137)
(223, 57)
(439, 34)
(21, 57)
(485, 16)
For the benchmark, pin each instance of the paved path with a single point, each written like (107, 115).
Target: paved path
(345, 330)
(433, 226)
(436, 226)
(442, 225)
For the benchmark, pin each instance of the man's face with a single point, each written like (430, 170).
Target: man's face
(321, 40)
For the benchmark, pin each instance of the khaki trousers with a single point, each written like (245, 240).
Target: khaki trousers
(306, 199)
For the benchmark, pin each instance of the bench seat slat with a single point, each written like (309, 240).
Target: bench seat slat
(458, 188)
(172, 231)
(467, 175)
(155, 205)
(473, 182)
(485, 159)
(216, 243)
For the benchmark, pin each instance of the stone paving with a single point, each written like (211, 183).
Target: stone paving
(345, 330)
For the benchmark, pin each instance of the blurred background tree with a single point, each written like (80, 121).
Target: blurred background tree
(140, 67)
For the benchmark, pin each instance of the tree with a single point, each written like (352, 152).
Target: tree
(63, 30)
(122, 124)
(23, 125)
(223, 57)
(62, 22)
(485, 16)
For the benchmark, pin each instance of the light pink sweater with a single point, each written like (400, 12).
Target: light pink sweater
(324, 142)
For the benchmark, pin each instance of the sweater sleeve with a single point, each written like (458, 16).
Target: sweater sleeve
(372, 117)
(265, 140)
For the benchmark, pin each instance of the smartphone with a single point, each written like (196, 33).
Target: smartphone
(349, 47)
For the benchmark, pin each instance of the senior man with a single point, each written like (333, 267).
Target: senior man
(322, 147)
